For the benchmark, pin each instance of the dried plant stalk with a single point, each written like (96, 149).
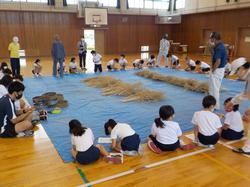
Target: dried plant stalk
(131, 92)
(190, 84)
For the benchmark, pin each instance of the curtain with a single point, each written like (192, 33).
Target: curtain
(175, 5)
(51, 2)
(65, 3)
(127, 5)
(118, 5)
(170, 5)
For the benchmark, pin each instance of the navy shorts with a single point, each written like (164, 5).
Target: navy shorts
(131, 143)
(165, 147)
(205, 69)
(9, 131)
(230, 134)
(209, 140)
(89, 156)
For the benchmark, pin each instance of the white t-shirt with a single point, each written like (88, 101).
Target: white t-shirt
(3, 90)
(111, 63)
(121, 130)
(136, 61)
(204, 65)
(123, 62)
(18, 104)
(97, 58)
(191, 63)
(241, 59)
(174, 58)
(84, 142)
(72, 65)
(151, 60)
(1, 75)
(208, 123)
(36, 65)
(168, 134)
(234, 120)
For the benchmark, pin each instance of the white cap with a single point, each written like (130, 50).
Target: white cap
(236, 64)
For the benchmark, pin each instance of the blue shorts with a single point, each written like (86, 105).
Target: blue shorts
(131, 143)
(89, 156)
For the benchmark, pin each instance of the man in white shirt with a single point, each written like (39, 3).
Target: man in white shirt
(97, 59)
(163, 50)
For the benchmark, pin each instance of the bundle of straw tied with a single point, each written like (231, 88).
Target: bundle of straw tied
(131, 92)
(190, 84)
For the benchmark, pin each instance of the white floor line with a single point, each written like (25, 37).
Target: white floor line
(235, 141)
(146, 167)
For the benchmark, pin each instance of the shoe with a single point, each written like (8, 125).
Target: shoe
(189, 146)
(27, 133)
(130, 153)
(153, 147)
(115, 158)
(240, 150)
(207, 146)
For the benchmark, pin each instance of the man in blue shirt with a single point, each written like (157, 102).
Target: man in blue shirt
(219, 61)
(58, 55)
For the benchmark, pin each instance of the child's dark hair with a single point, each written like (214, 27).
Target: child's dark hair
(3, 66)
(37, 60)
(122, 55)
(208, 101)
(15, 86)
(141, 61)
(197, 62)
(116, 59)
(165, 112)
(93, 52)
(235, 107)
(7, 71)
(19, 77)
(6, 80)
(110, 123)
(72, 59)
(76, 128)
(246, 65)
(152, 56)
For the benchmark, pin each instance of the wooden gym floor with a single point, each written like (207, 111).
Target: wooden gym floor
(35, 162)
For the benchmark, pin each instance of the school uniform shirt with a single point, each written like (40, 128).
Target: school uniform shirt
(191, 63)
(243, 95)
(204, 65)
(123, 61)
(3, 90)
(121, 130)
(168, 134)
(72, 65)
(234, 120)
(111, 63)
(174, 58)
(84, 142)
(7, 112)
(36, 65)
(208, 123)
(97, 59)
(14, 50)
(136, 61)
(151, 60)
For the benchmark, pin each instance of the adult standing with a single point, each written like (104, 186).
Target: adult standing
(14, 48)
(219, 61)
(82, 51)
(163, 50)
(242, 69)
(58, 55)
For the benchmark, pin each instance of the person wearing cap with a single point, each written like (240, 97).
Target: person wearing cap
(242, 69)
(163, 50)
(14, 48)
(219, 61)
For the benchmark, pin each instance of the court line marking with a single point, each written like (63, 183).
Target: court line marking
(145, 167)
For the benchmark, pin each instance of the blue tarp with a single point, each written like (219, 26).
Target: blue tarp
(93, 110)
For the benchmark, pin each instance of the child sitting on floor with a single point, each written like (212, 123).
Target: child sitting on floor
(123, 62)
(37, 68)
(83, 149)
(124, 138)
(204, 67)
(73, 65)
(3, 66)
(111, 64)
(190, 64)
(151, 61)
(233, 125)
(175, 63)
(165, 133)
(207, 125)
(138, 63)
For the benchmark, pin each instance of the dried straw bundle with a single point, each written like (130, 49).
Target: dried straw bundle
(189, 84)
(132, 92)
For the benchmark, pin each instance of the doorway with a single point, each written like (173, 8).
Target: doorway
(243, 46)
(89, 36)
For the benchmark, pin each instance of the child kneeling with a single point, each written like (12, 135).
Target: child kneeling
(123, 136)
(207, 125)
(165, 133)
(83, 149)
(233, 124)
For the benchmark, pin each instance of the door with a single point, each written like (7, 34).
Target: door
(243, 46)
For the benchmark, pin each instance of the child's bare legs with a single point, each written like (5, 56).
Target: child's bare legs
(118, 146)
(74, 153)
(102, 150)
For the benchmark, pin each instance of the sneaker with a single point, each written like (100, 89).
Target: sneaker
(27, 133)
(114, 159)
(153, 147)
(240, 150)
(130, 153)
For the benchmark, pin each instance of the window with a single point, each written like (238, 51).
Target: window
(155, 4)
(135, 3)
(109, 3)
(180, 4)
(72, 2)
(148, 4)
(28, 1)
(161, 4)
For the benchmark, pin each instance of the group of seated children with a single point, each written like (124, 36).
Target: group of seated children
(193, 65)
(165, 133)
